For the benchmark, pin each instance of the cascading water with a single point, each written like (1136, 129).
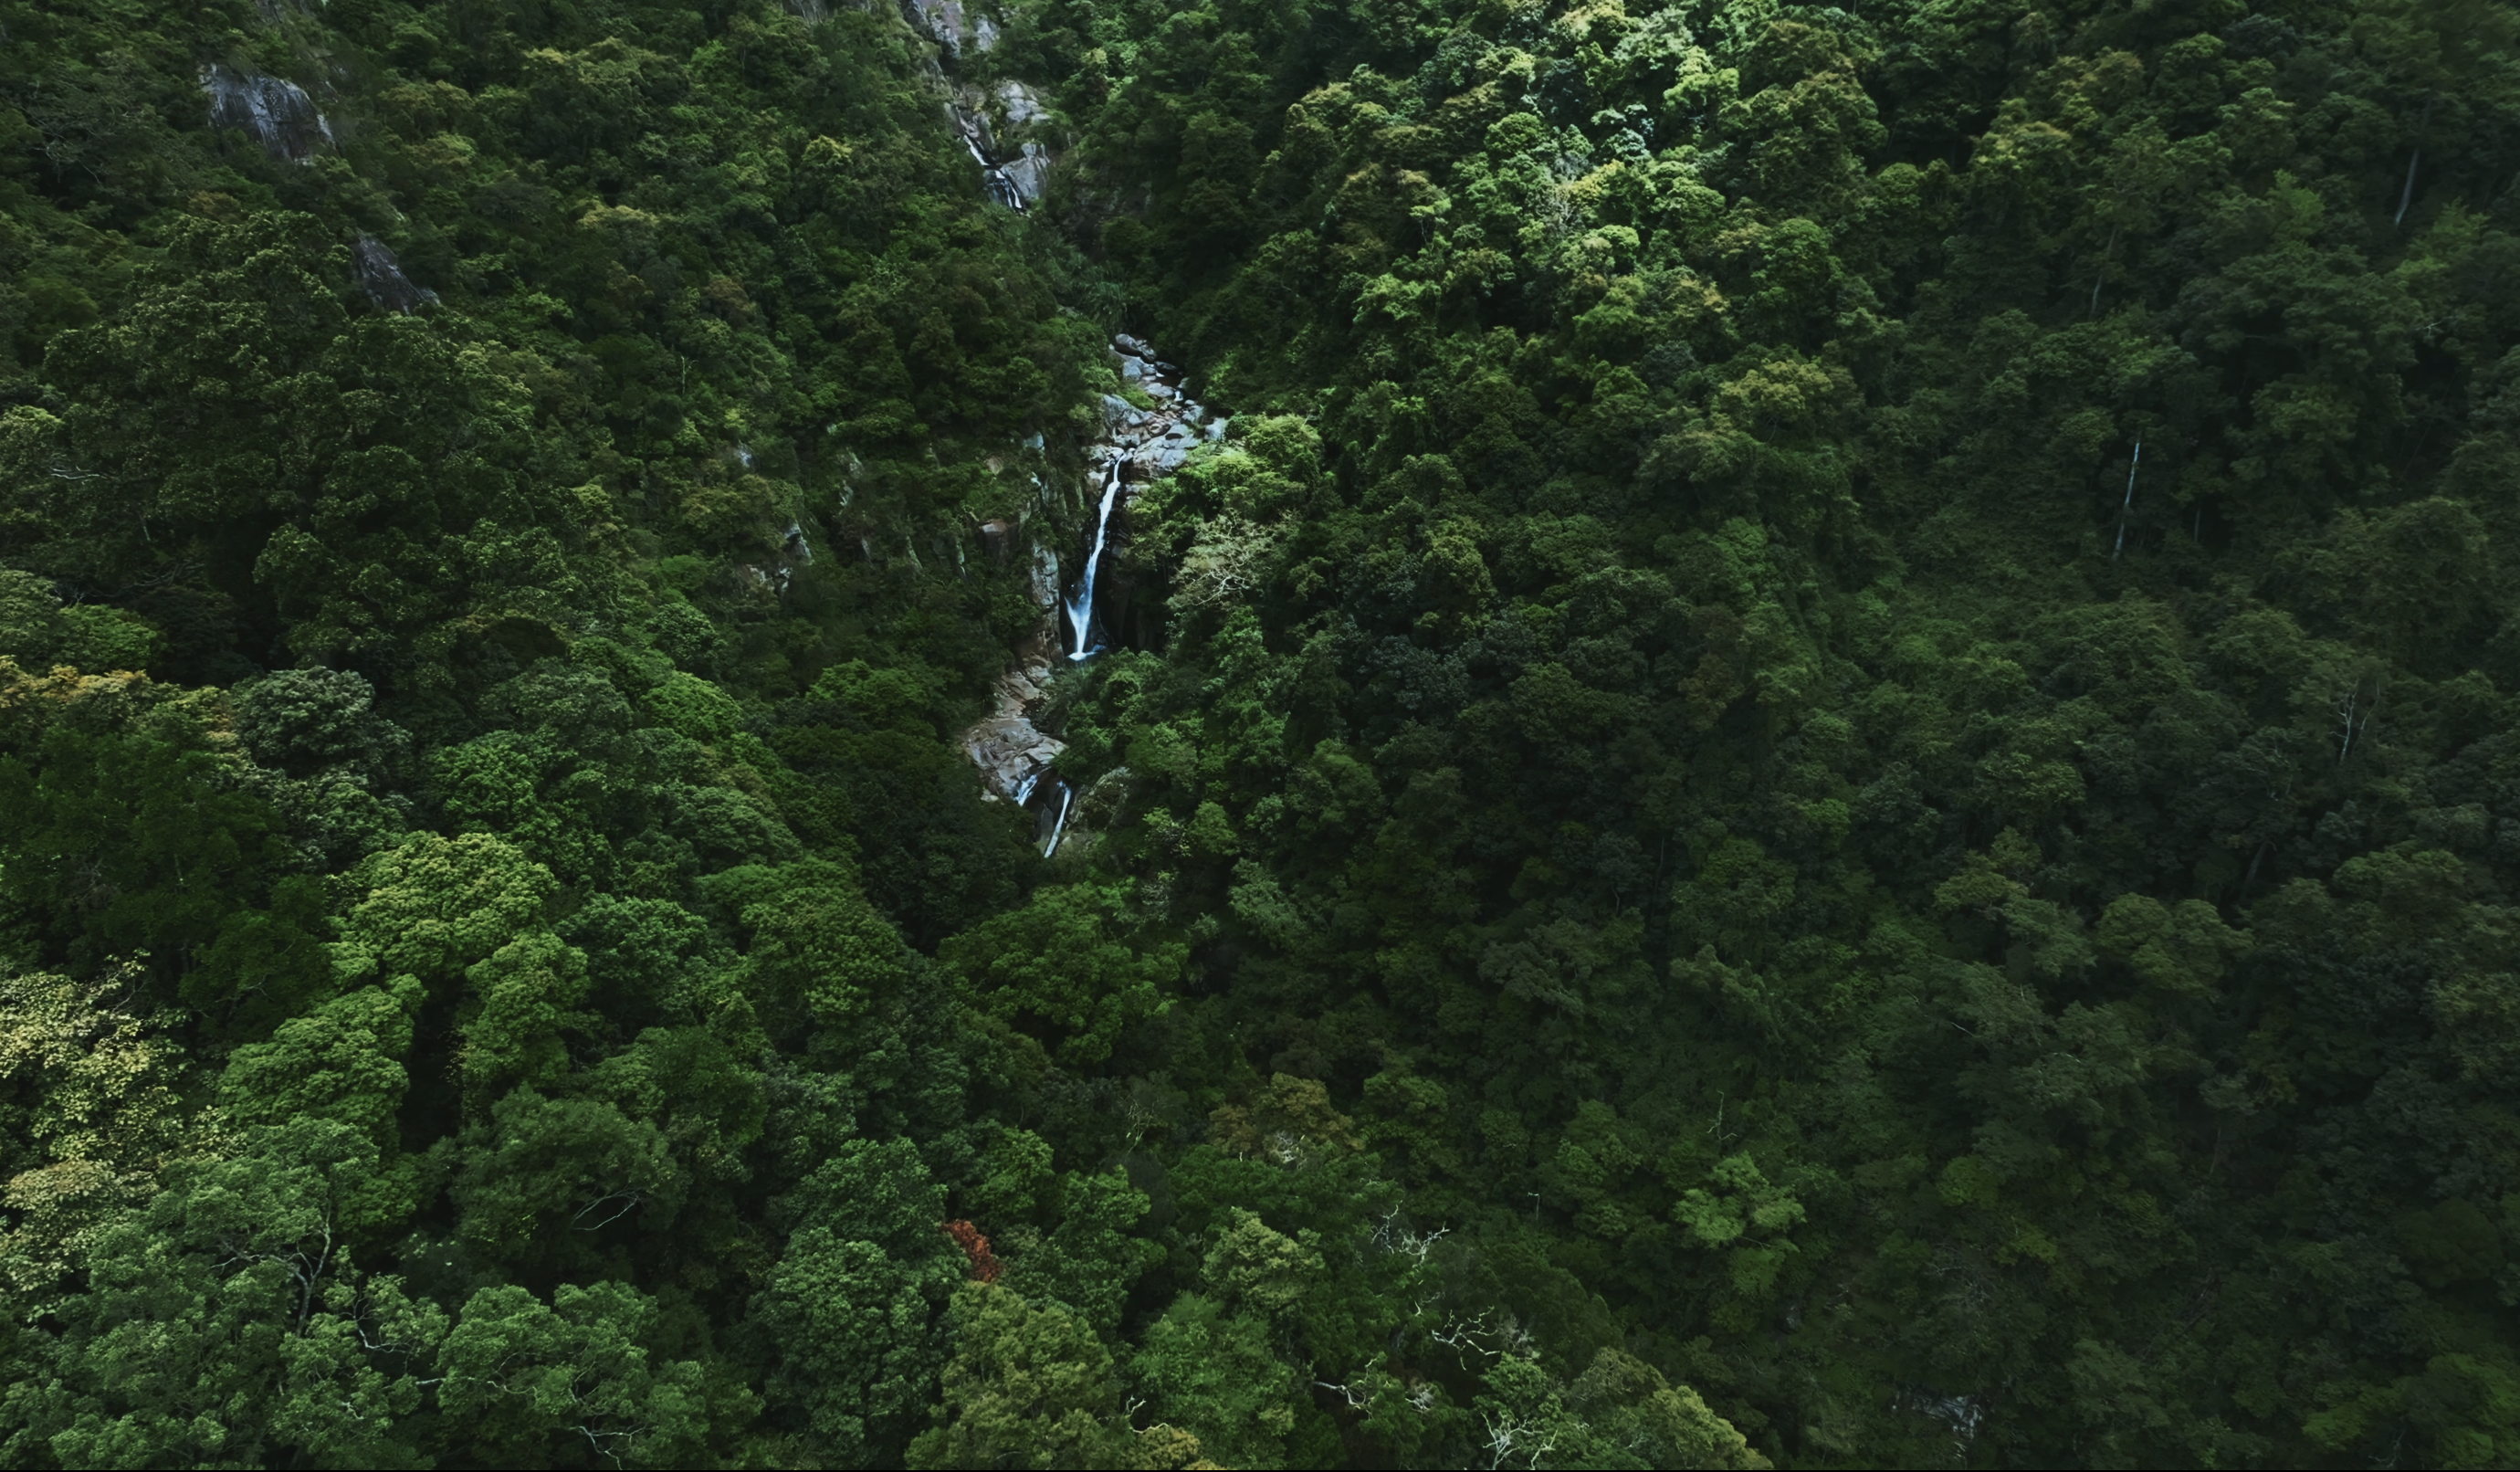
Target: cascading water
(1001, 188)
(1080, 609)
(1017, 758)
(1018, 182)
(1066, 795)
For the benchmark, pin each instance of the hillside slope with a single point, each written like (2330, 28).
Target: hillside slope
(1822, 771)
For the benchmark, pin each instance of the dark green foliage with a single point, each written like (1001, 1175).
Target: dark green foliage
(1719, 743)
(1824, 776)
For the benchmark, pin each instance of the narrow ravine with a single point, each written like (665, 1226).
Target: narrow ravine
(1138, 446)
(1015, 756)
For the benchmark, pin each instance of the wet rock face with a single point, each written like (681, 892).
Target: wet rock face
(1010, 751)
(1044, 579)
(942, 22)
(1018, 182)
(381, 276)
(1029, 173)
(278, 114)
(1014, 174)
(1139, 446)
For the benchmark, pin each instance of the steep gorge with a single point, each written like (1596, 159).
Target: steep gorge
(1823, 773)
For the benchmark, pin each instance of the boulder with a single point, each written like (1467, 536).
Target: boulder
(1009, 751)
(1029, 173)
(1119, 414)
(1021, 103)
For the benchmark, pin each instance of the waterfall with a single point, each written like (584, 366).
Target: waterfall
(1066, 795)
(1001, 188)
(1016, 758)
(1080, 611)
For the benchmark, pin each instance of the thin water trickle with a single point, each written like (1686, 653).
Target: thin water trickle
(1080, 611)
(1066, 795)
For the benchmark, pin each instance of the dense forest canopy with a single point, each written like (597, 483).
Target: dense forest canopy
(1825, 771)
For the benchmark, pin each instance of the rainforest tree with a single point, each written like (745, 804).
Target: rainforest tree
(1829, 772)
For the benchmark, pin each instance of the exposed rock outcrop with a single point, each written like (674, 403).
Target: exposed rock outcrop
(381, 276)
(1010, 751)
(1014, 170)
(277, 112)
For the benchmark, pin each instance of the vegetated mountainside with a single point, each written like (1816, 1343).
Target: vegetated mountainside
(1826, 775)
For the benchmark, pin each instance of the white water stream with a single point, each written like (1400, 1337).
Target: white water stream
(1080, 609)
(1066, 795)
(1001, 188)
